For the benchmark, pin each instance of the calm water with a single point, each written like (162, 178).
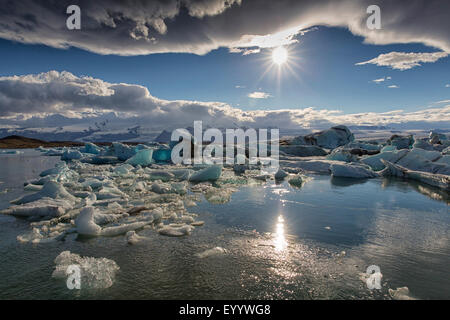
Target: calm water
(281, 242)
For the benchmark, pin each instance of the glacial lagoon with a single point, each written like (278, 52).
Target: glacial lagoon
(269, 241)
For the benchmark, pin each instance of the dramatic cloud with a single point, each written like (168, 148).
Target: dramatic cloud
(136, 27)
(63, 99)
(259, 95)
(403, 60)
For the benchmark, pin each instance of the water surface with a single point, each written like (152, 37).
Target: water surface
(281, 243)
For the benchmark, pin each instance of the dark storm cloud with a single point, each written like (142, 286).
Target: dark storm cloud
(198, 26)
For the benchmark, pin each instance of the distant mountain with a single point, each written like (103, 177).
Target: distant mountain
(19, 142)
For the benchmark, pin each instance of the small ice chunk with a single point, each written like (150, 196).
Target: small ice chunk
(211, 252)
(96, 273)
(401, 294)
(296, 181)
(280, 174)
(172, 231)
(85, 223)
(123, 169)
(132, 237)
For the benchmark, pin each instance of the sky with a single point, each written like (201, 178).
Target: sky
(167, 64)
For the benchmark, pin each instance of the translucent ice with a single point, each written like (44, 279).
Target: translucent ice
(210, 173)
(91, 148)
(142, 157)
(96, 273)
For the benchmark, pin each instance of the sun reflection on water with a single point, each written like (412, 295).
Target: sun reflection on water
(280, 238)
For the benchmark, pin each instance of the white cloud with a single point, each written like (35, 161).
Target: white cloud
(259, 95)
(379, 80)
(393, 86)
(137, 27)
(442, 101)
(239, 87)
(447, 85)
(404, 60)
(45, 97)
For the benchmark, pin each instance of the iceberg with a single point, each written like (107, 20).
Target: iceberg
(437, 180)
(51, 189)
(71, 155)
(342, 154)
(162, 154)
(123, 152)
(332, 138)
(375, 161)
(45, 207)
(352, 171)
(86, 225)
(96, 273)
(91, 148)
(210, 173)
(143, 158)
(401, 142)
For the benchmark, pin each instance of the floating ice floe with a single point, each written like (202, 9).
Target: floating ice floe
(175, 230)
(437, 180)
(86, 224)
(132, 237)
(51, 189)
(401, 294)
(43, 207)
(96, 273)
(211, 252)
(210, 173)
(352, 171)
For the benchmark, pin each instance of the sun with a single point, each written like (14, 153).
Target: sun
(279, 55)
